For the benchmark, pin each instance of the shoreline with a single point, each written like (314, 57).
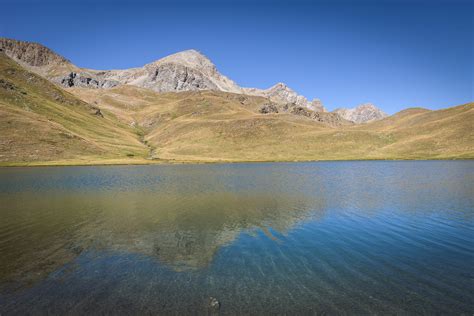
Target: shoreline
(112, 162)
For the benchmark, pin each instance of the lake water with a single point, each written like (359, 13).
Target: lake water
(326, 237)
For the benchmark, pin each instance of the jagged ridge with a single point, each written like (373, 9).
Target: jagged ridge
(363, 113)
(188, 70)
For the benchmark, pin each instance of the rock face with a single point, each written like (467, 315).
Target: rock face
(331, 119)
(184, 71)
(281, 93)
(268, 108)
(363, 113)
(194, 71)
(176, 77)
(31, 54)
(85, 80)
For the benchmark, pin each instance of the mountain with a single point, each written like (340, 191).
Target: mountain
(46, 123)
(363, 113)
(184, 71)
(41, 123)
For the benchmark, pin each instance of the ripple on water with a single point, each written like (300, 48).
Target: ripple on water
(329, 237)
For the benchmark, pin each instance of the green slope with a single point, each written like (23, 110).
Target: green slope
(41, 122)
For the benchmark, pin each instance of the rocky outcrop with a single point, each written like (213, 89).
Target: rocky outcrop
(282, 94)
(184, 71)
(199, 67)
(97, 112)
(363, 113)
(175, 77)
(268, 108)
(85, 80)
(32, 54)
(4, 84)
(331, 119)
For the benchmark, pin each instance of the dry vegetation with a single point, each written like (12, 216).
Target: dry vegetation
(43, 124)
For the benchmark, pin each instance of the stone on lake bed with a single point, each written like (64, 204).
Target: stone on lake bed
(214, 303)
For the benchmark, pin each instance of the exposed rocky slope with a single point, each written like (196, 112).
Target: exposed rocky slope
(281, 93)
(31, 54)
(331, 119)
(36, 57)
(184, 71)
(363, 113)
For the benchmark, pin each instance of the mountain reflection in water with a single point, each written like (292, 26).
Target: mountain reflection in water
(361, 237)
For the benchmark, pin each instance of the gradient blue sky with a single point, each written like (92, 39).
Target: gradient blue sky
(395, 54)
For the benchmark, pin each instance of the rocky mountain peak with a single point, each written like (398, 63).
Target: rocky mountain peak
(281, 93)
(189, 58)
(363, 113)
(187, 70)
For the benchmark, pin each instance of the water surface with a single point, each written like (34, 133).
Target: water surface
(328, 237)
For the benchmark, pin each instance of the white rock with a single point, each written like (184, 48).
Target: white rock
(363, 113)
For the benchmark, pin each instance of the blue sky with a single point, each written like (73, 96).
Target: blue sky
(393, 53)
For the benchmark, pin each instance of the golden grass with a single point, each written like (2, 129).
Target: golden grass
(214, 126)
(41, 122)
(48, 125)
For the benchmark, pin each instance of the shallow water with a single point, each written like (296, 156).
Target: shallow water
(326, 237)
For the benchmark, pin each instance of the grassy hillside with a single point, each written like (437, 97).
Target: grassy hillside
(419, 133)
(43, 124)
(40, 122)
(216, 126)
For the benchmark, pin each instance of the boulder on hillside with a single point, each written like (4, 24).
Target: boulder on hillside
(268, 108)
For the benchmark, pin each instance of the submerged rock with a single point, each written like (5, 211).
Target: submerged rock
(214, 304)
